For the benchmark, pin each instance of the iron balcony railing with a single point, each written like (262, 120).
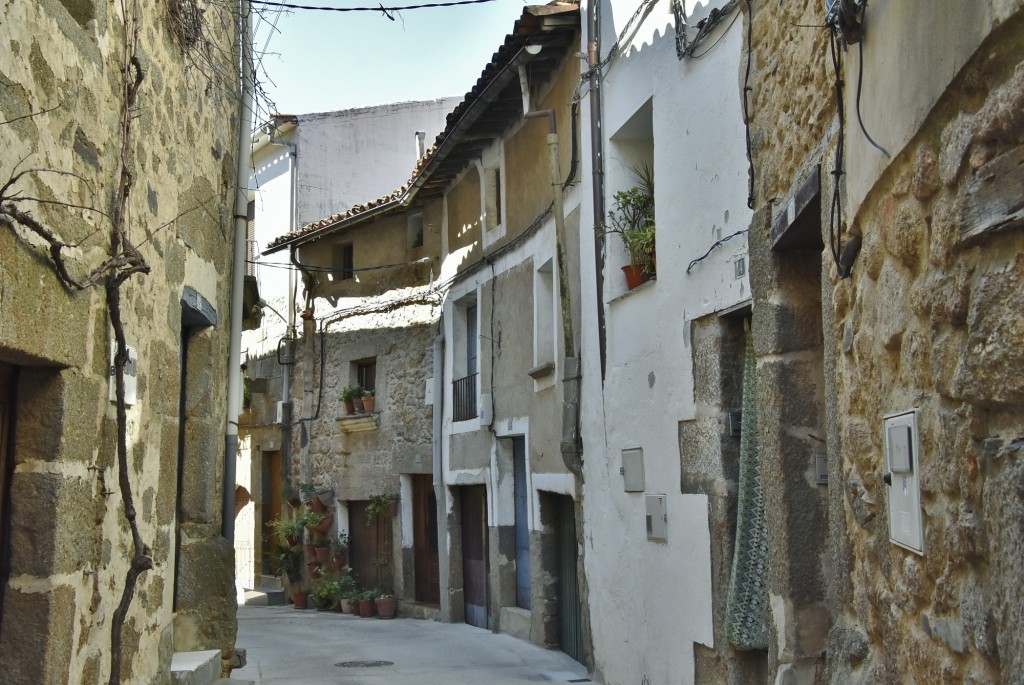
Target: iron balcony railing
(464, 398)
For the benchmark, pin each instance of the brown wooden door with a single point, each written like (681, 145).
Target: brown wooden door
(369, 548)
(7, 377)
(270, 507)
(424, 540)
(474, 555)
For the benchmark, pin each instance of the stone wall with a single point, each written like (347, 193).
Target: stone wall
(60, 65)
(928, 321)
(931, 320)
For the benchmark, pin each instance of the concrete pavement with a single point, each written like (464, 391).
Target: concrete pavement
(290, 647)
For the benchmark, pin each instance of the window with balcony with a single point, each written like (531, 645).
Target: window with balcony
(464, 387)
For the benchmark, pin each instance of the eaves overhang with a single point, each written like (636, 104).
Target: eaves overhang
(485, 114)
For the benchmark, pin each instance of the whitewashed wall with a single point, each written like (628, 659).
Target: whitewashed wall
(650, 602)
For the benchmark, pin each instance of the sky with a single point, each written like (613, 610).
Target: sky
(323, 61)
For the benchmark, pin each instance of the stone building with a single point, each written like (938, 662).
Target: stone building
(463, 316)
(886, 269)
(120, 143)
(302, 165)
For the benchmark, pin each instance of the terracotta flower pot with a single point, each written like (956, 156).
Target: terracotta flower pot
(324, 525)
(292, 540)
(301, 599)
(635, 276)
(369, 403)
(339, 561)
(357, 403)
(318, 506)
(322, 553)
(350, 407)
(346, 606)
(366, 607)
(386, 607)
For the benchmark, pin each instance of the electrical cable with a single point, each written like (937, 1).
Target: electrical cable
(860, 78)
(711, 249)
(836, 210)
(381, 8)
(717, 41)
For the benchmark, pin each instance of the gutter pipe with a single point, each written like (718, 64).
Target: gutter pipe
(597, 169)
(237, 280)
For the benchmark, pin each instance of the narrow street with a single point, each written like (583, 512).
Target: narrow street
(289, 647)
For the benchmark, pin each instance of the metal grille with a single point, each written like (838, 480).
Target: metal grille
(464, 398)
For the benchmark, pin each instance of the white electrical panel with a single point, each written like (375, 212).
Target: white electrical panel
(902, 477)
(131, 375)
(632, 470)
(657, 518)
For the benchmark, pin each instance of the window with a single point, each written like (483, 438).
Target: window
(366, 374)
(543, 321)
(466, 363)
(342, 263)
(415, 230)
(250, 239)
(631, 201)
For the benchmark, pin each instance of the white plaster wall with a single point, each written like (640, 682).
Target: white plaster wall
(897, 93)
(356, 155)
(650, 602)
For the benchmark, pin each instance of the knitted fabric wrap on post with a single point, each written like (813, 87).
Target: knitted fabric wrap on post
(746, 626)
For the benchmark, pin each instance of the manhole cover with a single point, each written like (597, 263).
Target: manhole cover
(364, 664)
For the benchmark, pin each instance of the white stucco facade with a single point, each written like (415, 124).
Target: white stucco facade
(651, 601)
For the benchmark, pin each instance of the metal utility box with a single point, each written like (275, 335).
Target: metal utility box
(902, 476)
(632, 470)
(657, 518)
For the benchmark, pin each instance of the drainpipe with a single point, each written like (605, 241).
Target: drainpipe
(440, 500)
(597, 168)
(237, 283)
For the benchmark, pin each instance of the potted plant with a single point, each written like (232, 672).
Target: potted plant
(324, 594)
(290, 494)
(289, 565)
(386, 605)
(322, 550)
(345, 588)
(366, 598)
(288, 532)
(315, 570)
(314, 520)
(340, 551)
(369, 400)
(632, 217)
(348, 396)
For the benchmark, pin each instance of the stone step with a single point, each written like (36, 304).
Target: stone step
(234, 681)
(195, 668)
(264, 596)
(269, 582)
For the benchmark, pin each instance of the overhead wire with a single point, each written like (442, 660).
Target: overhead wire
(380, 8)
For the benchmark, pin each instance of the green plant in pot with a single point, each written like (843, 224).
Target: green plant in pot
(632, 217)
(348, 397)
(369, 400)
(288, 532)
(340, 551)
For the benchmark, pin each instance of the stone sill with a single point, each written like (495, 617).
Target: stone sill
(639, 288)
(542, 371)
(357, 423)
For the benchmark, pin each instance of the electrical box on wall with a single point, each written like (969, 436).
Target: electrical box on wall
(632, 470)
(657, 518)
(902, 476)
(131, 375)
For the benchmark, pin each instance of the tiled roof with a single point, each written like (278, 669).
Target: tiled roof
(440, 163)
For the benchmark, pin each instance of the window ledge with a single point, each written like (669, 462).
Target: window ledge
(639, 288)
(358, 423)
(542, 371)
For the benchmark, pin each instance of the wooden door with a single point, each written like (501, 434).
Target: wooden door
(520, 495)
(270, 472)
(570, 634)
(7, 377)
(424, 540)
(369, 548)
(474, 555)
